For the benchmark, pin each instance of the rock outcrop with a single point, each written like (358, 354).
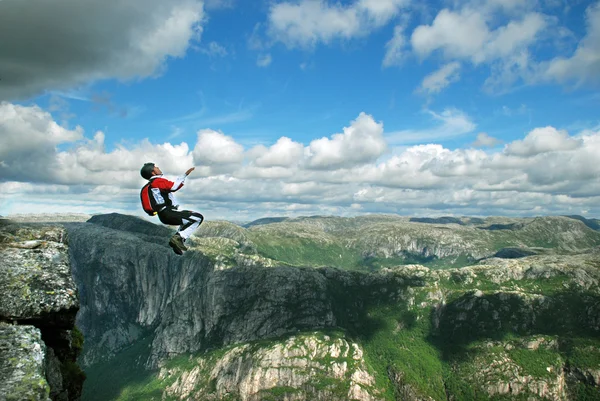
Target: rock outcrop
(38, 341)
(311, 366)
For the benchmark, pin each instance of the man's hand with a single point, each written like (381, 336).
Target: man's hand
(190, 170)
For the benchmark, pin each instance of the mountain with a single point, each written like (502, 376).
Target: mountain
(594, 224)
(368, 243)
(331, 308)
(277, 311)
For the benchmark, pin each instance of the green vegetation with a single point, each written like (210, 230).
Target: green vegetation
(583, 353)
(301, 251)
(124, 377)
(277, 393)
(536, 362)
(370, 243)
(400, 346)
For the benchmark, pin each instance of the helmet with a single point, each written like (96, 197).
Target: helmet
(146, 170)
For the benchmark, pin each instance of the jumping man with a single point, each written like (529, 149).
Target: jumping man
(158, 197)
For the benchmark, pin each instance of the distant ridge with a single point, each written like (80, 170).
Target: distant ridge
(48, 217)
(511, 226)
(265, 220)
(438, 220)
(594, 224)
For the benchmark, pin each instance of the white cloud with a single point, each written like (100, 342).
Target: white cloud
(216, 148)
(438, 80)
(395, 48)
(28, 150)
(218, 4)
(458, 34)
(308, 22)
(380, 11)
(485, 140)
(584, 65)
(451, 123)
(140, 37)
(547, 171)
(511, 7)
(362, 142)
(506, 72)
(466, 35)
(214, 50)
(514, 111)
(264, 60)
(283, 153)
(472, 33)
(541, 140)
(511, 38)
(28, 140)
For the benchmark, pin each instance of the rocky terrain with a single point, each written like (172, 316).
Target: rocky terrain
(39, 344)
(327, 308)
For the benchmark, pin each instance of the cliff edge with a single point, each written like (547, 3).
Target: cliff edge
(39, 342)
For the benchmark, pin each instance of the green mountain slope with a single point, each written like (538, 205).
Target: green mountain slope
(371, 242)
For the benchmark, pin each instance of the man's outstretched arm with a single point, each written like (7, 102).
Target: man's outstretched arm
(172, 186)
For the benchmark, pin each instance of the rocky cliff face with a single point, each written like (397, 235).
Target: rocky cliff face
(38, 341)
(262, 329)
(308, 366)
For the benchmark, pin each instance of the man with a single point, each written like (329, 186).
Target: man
(158, 197)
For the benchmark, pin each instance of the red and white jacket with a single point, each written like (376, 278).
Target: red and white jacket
(160, 194)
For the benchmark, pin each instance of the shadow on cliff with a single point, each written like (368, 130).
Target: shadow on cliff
(356, 298)
(117, 378)
(567, 314)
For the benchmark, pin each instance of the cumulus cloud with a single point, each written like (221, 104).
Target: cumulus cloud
(78, 41)
(28, 140)
(546, 171)
(308, 22)
(541, 140)
(458, 34)
(217, 149)
(361, 142)
(466, 35)
(478, 33)
(284, 153)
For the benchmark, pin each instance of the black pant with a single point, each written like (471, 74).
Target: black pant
(181, 218)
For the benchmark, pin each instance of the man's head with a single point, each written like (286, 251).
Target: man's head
(149, 170)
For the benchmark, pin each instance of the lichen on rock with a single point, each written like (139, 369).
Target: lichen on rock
(38, 307)
(22, 364)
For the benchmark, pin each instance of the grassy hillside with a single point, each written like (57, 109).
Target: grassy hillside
(369, 243)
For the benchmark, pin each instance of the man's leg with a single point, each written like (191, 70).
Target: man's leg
(190, 223)
(187, 220)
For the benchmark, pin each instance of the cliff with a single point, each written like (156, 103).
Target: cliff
(39, 344)
(228, 320)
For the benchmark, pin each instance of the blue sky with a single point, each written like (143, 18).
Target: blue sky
(478, 107)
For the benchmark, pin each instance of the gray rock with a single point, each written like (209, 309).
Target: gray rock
(22, 364)
(39, 297)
